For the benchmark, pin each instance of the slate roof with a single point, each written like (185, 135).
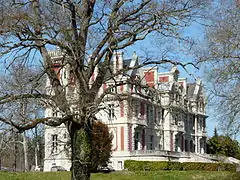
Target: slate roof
(190, 89)
(126, 63)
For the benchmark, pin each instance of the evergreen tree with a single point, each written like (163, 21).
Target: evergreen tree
(102, 144)
(223, 145)
(215, 132)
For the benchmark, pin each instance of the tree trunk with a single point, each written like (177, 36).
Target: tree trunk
(36, 156)
(15, 152)
(81, 143)
(25, 148)
(25, 152)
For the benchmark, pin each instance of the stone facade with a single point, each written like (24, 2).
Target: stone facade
(165, 122)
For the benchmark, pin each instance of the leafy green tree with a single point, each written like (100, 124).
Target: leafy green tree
(223, 145)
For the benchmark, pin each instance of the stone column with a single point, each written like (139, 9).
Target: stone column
(196, 135)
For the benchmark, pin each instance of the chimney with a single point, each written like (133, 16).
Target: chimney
(117, 61)
(174, 74)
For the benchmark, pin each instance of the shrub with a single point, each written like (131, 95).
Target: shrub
(132, 165)
(174, 165)
(145, 165)
(227, 167)
(199, 166)
(156, 166)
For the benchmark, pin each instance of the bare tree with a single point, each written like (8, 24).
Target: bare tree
(4, 143)
(87, 33)
(16, 81)
(11, 146)
(36, 148)
(221, 54)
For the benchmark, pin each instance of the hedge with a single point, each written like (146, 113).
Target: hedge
(132, 165)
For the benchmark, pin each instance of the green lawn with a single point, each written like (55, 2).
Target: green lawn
(124, 175)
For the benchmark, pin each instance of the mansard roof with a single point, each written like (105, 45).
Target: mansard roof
(194, 90)
(126, 64)
(190, 89)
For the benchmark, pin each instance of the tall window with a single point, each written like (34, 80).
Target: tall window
(200, 124)
(112, 89)
(194, 122)
(148, 113)
(136, 141)
(111, 111)
(142, 110)
(55, 114)
(204, 124)
(65, 135)
(151, 142)
(186, 124)
(151, 113)
(136, 109)
(162, 114)
(191, 123)
(175, 118)
(64, 74)
(54, 143)
(176, 143)
(177, 98)
(159, 115)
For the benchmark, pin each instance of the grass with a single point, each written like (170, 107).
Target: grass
(125, 175)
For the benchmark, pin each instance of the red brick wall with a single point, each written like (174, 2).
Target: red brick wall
(104, 87)
(122, 138)
(121, 109)
(149, 77)
(163, 79)
(181, 83)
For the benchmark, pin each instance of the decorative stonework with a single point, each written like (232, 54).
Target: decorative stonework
(172, 125)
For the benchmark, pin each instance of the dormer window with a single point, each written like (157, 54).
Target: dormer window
(201, 107)
(54, 143)
(175, 77)
(117, 63)
(65, 74)
(111, 113)
(112, 89)
(55, 114)
(177, 98)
